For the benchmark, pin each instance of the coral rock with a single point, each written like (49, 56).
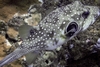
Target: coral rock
(12, 33)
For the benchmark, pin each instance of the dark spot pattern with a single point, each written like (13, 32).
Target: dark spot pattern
(85, 14)
(32, 31)
(55, 41)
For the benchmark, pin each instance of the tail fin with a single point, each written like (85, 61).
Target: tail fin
(13, 56)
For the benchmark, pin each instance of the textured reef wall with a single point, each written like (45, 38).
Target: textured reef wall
(79, 52)
(9, 7)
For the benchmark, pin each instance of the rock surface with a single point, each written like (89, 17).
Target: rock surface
(13, 34)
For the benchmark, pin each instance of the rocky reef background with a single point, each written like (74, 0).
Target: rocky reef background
(9, 7)
(79, 52)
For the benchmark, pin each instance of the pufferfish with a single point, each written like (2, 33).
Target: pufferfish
(58, 27)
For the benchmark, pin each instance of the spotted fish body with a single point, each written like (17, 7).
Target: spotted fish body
(55, 29)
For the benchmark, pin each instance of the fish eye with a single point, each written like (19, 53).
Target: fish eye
(71, 29)
(85, 14)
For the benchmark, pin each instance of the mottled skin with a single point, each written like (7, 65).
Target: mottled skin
(55, 29)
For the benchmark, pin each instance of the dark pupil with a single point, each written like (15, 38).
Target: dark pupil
(70, 34)
(71, 29)
(85, 14)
